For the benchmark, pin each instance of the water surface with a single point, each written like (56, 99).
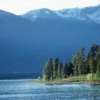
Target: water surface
(20, 90)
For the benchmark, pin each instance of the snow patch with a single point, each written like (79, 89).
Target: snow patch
(95, 16)
(66, 13)
(32, 15)
(47, 12)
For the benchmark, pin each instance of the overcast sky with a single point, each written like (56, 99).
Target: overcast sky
(22, 6)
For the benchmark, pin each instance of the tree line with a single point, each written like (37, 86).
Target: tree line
(79, 65)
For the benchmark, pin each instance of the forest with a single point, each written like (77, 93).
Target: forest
(80, 64)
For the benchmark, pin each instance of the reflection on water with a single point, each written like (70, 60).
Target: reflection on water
(19, 90)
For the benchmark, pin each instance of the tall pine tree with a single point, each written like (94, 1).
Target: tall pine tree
(48, 70)
(81, 62)
(55, 67)
(59, 70)
(75, 63)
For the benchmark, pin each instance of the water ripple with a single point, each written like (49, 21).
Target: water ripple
(19, 90)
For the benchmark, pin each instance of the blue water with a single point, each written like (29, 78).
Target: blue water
(20, 90)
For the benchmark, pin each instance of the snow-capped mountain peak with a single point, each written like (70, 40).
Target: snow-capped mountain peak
(34, 14)
(87, 13)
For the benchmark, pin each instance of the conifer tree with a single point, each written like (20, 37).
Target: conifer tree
(48, 70)
(92, 65)
(81, 62)
(69, 68)
(87, 59)
(78, 66)
(82, 67)
(93, 59)
(64, 72)
(59, 71)
(97, 58)
(98, 66)
(55, 67)
(75, 63)
(93, 50)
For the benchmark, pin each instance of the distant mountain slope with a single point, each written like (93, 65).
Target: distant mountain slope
(40, 13)
(92, 13)
(14, 41)
(26, 45)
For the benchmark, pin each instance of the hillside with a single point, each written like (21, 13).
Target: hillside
(26, 45)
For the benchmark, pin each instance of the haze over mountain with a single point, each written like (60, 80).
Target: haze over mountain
(28, 40)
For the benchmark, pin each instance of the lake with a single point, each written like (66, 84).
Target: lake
(20, 90)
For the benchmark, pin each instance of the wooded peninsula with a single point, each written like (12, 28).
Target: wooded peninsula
(81, 68)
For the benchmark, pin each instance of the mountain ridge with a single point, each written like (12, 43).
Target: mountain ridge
(92, 13)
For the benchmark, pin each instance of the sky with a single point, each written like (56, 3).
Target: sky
(22, 6)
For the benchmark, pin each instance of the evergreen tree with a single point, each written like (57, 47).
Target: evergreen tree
(87, 59)
(75, 63)
(69, 69)
(82, 67)
(97, 57)
(93, 61)
(78, 66)
(64, 72)
(81, 62)
(59, 71)
(98, 66)
(48, 70)
(55, 67)
(92, 65)
(98, 54)
(93, 50)
(78, 62)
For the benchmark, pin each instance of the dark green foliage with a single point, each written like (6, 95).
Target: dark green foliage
(98, 66)
(75, 63)
(82, 67)
(93, 50)
(93, 60)
(69, 69)
(97, 59)
(59, 70)
(87, 63)
(48, 70)
(56, 71)
(79, 65)
(98, 54)
(92, 65)
(81, 62)
(64, 75)
(55, 67)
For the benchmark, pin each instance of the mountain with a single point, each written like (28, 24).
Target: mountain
(40, 13)
(92, 13)
(14, 43)
(27, 43)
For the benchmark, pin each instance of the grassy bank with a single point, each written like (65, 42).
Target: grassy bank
(84, 79)
(70, 80)
(77, 79)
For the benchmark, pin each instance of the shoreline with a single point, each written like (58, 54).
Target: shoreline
(62, 82)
